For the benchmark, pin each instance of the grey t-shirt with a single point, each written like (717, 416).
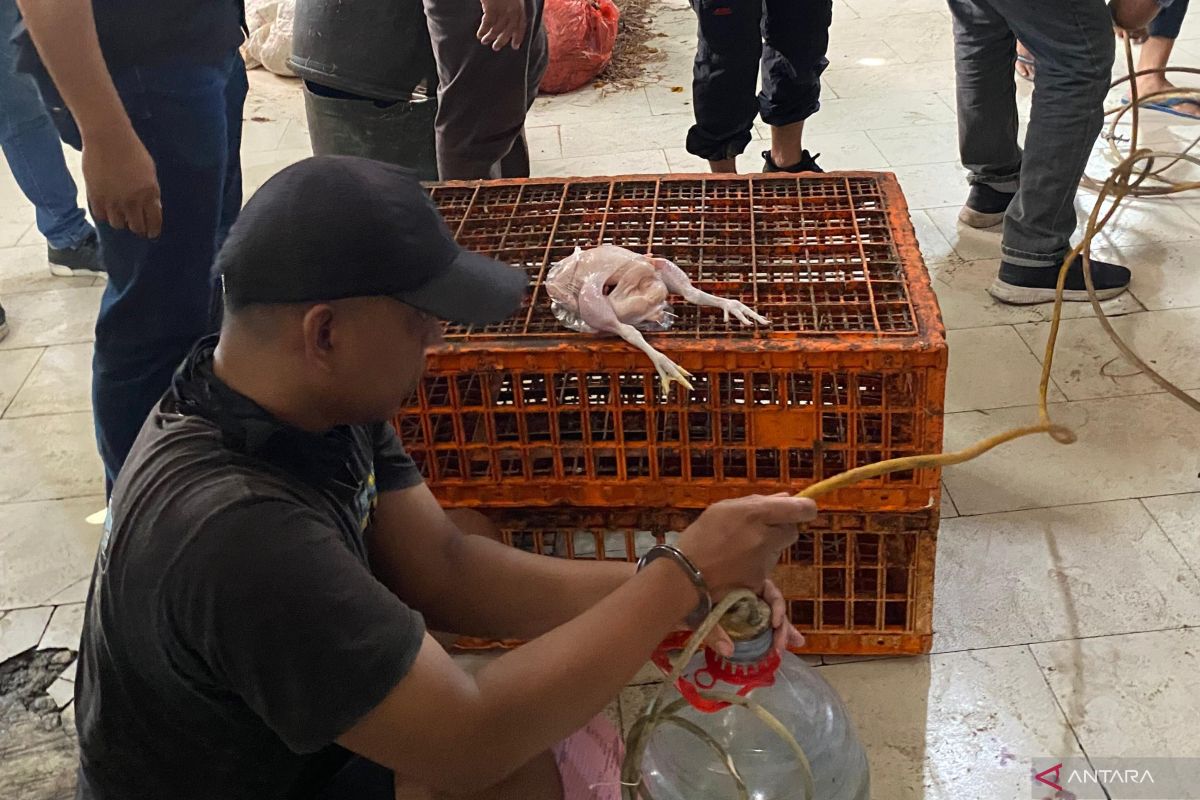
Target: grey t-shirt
(234, 629)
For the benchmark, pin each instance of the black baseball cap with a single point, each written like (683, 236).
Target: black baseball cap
(332, 227)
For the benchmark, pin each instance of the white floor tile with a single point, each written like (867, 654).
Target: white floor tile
(45, 548)
(25, 269)
(933, 185)
(875, 81)
(20, 630)
(15, 366)
(991, 368)
(1128, 447)
(1129, 695)
(1164, 273)
(1061, 573)
(1087, 363)
(927, 144)
(543, 143)
(1179, 517)
(643, 161)
(618, 134)
(59, 384)
(45, 458)
(64, 629)
(889, 111)
(58, 316)
(949, 727)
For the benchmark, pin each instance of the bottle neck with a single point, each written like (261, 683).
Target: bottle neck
(751, 651)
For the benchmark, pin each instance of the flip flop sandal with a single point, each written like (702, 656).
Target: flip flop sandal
(1167, 106)
(1029, 62)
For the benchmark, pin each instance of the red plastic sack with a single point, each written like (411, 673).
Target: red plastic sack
(581, 35)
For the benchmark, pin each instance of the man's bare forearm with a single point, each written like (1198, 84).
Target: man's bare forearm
(64, 32)
(516, 594)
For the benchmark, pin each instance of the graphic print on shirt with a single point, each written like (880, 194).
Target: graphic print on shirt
(366, 500)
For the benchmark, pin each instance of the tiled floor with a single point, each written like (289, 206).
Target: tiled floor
(1068, 576)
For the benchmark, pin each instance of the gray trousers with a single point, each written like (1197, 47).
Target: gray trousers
(483, 96)
(1072, 41)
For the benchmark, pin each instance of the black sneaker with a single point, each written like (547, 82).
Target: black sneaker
(985, 206)
(83, 260)
(1027, 285)
(808, 163)
(3, 323)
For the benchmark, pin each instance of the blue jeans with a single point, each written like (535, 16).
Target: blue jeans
(33, 150)
(161, 295)
(1072, 41)
(1169, 21)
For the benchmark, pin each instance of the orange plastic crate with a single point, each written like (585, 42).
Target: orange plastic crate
(851, 371)
(856, 583)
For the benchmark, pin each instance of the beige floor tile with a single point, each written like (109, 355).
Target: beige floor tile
(947, 506)
(875, 81)
(1179, 517)
(45, 548)
(961, 289)
(15, 366)
(25, 269)
(862, 53)
(262, 134)
(672, 95)
(844, 151)
(1164, 274)
(991, 368)
(62, 692)
(257, 168)
(1128, 447)
(971, 244)
(589, 105)
(608, 138)
(935, 249)
(1129, 695)
(58, 316)
(16, 217)
(64, 629)
(928, 144)
(70, 672)
(643, 161)
(894, 8)
(1141, 222)
(45, 458)
(20, 630)
(1087, 364)
(75, 593)
(1058, 573)
(949, 727)
(932, 185)
(889, 111)
(295, 136)
(543, 142)
(60, 383)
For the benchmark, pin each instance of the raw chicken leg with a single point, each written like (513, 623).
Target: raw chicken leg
(609, 289)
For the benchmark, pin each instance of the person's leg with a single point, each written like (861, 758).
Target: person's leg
(796, 37)
(482, 94)
(34, 152)
(516, 163)
(1156, 53)
(984, 53)
(159, 297)
(728, 49)
(1073, 43)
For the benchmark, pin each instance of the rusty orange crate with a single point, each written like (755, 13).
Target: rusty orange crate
(856, 582)
(851, 370)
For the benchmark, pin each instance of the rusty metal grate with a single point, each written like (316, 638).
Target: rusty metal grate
(814, 254)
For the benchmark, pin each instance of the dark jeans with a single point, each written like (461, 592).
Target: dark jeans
(33, 149)
(788, 37)
(483, 95)
(360, 779)
(1169, 21)
(161, 294)
(1073, 43)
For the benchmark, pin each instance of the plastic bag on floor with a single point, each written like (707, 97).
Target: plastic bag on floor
(269, 44)
(581, 36)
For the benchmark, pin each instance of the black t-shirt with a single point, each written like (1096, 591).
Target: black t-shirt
(233, 628)
(143, 33)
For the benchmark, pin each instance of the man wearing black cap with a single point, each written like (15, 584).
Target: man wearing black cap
(256, 622)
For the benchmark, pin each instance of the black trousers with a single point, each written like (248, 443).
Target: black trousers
(789, 38)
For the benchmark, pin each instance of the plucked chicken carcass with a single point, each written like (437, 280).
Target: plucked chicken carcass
(609, 289)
